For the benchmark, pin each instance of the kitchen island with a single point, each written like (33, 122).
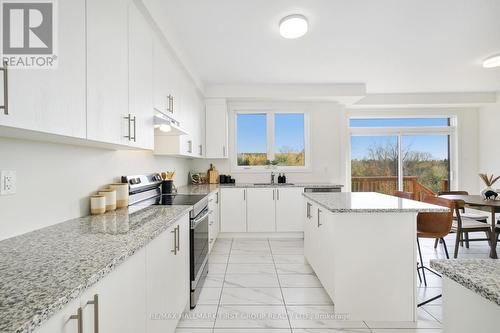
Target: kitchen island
(362, 247)
(472, 287)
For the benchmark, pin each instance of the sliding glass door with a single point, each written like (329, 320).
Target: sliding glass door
(426, 163)
(396, 156)
(374, 164)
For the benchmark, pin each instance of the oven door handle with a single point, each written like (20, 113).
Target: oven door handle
(197, 220)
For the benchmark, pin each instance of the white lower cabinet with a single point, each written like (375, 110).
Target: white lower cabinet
(289, 209)
(146, 293)
(263, 209)
(261, 205)
(121, 295)
(167, 277)
(213, 219)
(233, 210)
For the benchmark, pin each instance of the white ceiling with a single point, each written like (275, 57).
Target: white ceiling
(391, 45)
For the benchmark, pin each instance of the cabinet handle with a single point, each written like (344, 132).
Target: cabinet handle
(79, 318)
(129, 136)
(172, 103)
(95, 303)
(5, 105)
(178, 238)
(273, 195)
(134, 120)
(201, 150)
(190, 146)
(224, 151)
(217, 197)
(277, 194)
(174, 251)
(319, 219)
(308, 210)
(244, 195)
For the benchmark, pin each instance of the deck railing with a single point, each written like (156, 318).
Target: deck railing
(389, 185)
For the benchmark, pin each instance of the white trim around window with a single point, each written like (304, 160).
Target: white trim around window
(270, 111)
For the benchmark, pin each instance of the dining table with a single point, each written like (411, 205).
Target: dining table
(480, 203)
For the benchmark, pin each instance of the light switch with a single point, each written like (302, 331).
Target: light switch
(7, 182)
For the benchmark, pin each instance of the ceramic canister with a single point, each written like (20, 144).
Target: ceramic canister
(97, 204)
(110, 199)
(121, 194)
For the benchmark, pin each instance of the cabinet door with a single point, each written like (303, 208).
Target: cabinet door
(61, 322)
(216, 128)
(167, 277)
(181, 288)
(261, 215)
(289, 210)
(122, 298)
(141, 78)
(310, 233)
(53, 100)
(233, 210)
(107, 71)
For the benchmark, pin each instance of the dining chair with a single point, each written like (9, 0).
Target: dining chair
(434, 225)
(465, 214)
(463, 226)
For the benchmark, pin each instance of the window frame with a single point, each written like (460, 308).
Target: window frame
(399, 132)
(270, 117)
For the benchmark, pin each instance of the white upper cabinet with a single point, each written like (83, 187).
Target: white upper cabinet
(107, 71)
(140, 79)
(216, 135)
(52, 100)
(289, 209)
(261, 210)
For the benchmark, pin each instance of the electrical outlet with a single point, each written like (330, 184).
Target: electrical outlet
(7, 182)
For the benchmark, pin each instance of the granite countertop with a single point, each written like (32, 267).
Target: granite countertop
(482, 276)
(208, 188)
(369, 202)
(43, 270)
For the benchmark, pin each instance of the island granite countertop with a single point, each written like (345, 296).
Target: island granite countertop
(369, 202)
(482, 276)
(43, 270)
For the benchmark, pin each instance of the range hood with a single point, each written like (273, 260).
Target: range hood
(166, 125)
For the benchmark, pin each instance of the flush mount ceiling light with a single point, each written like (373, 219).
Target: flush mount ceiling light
(293, 26)
(492, 62)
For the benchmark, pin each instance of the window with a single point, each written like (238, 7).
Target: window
(409, 154)
(252, 139)
(289, 139)
(271, 138)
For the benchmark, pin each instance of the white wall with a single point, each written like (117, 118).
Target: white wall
(326, 141)
(489, 147)
(55, 180)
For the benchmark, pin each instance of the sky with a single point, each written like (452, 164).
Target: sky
(252, 137)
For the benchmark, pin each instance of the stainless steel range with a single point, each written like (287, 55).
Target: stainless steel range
(145, 190)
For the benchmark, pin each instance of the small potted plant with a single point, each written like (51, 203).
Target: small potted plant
(488, 181)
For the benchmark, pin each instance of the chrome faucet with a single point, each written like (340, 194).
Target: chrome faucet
(272, 177)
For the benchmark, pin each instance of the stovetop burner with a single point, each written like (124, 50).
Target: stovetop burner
(179, 199)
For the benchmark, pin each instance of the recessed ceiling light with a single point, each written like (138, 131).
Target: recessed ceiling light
(293, 26)
(492, 62)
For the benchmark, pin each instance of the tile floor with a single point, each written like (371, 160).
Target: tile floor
(265, 285)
